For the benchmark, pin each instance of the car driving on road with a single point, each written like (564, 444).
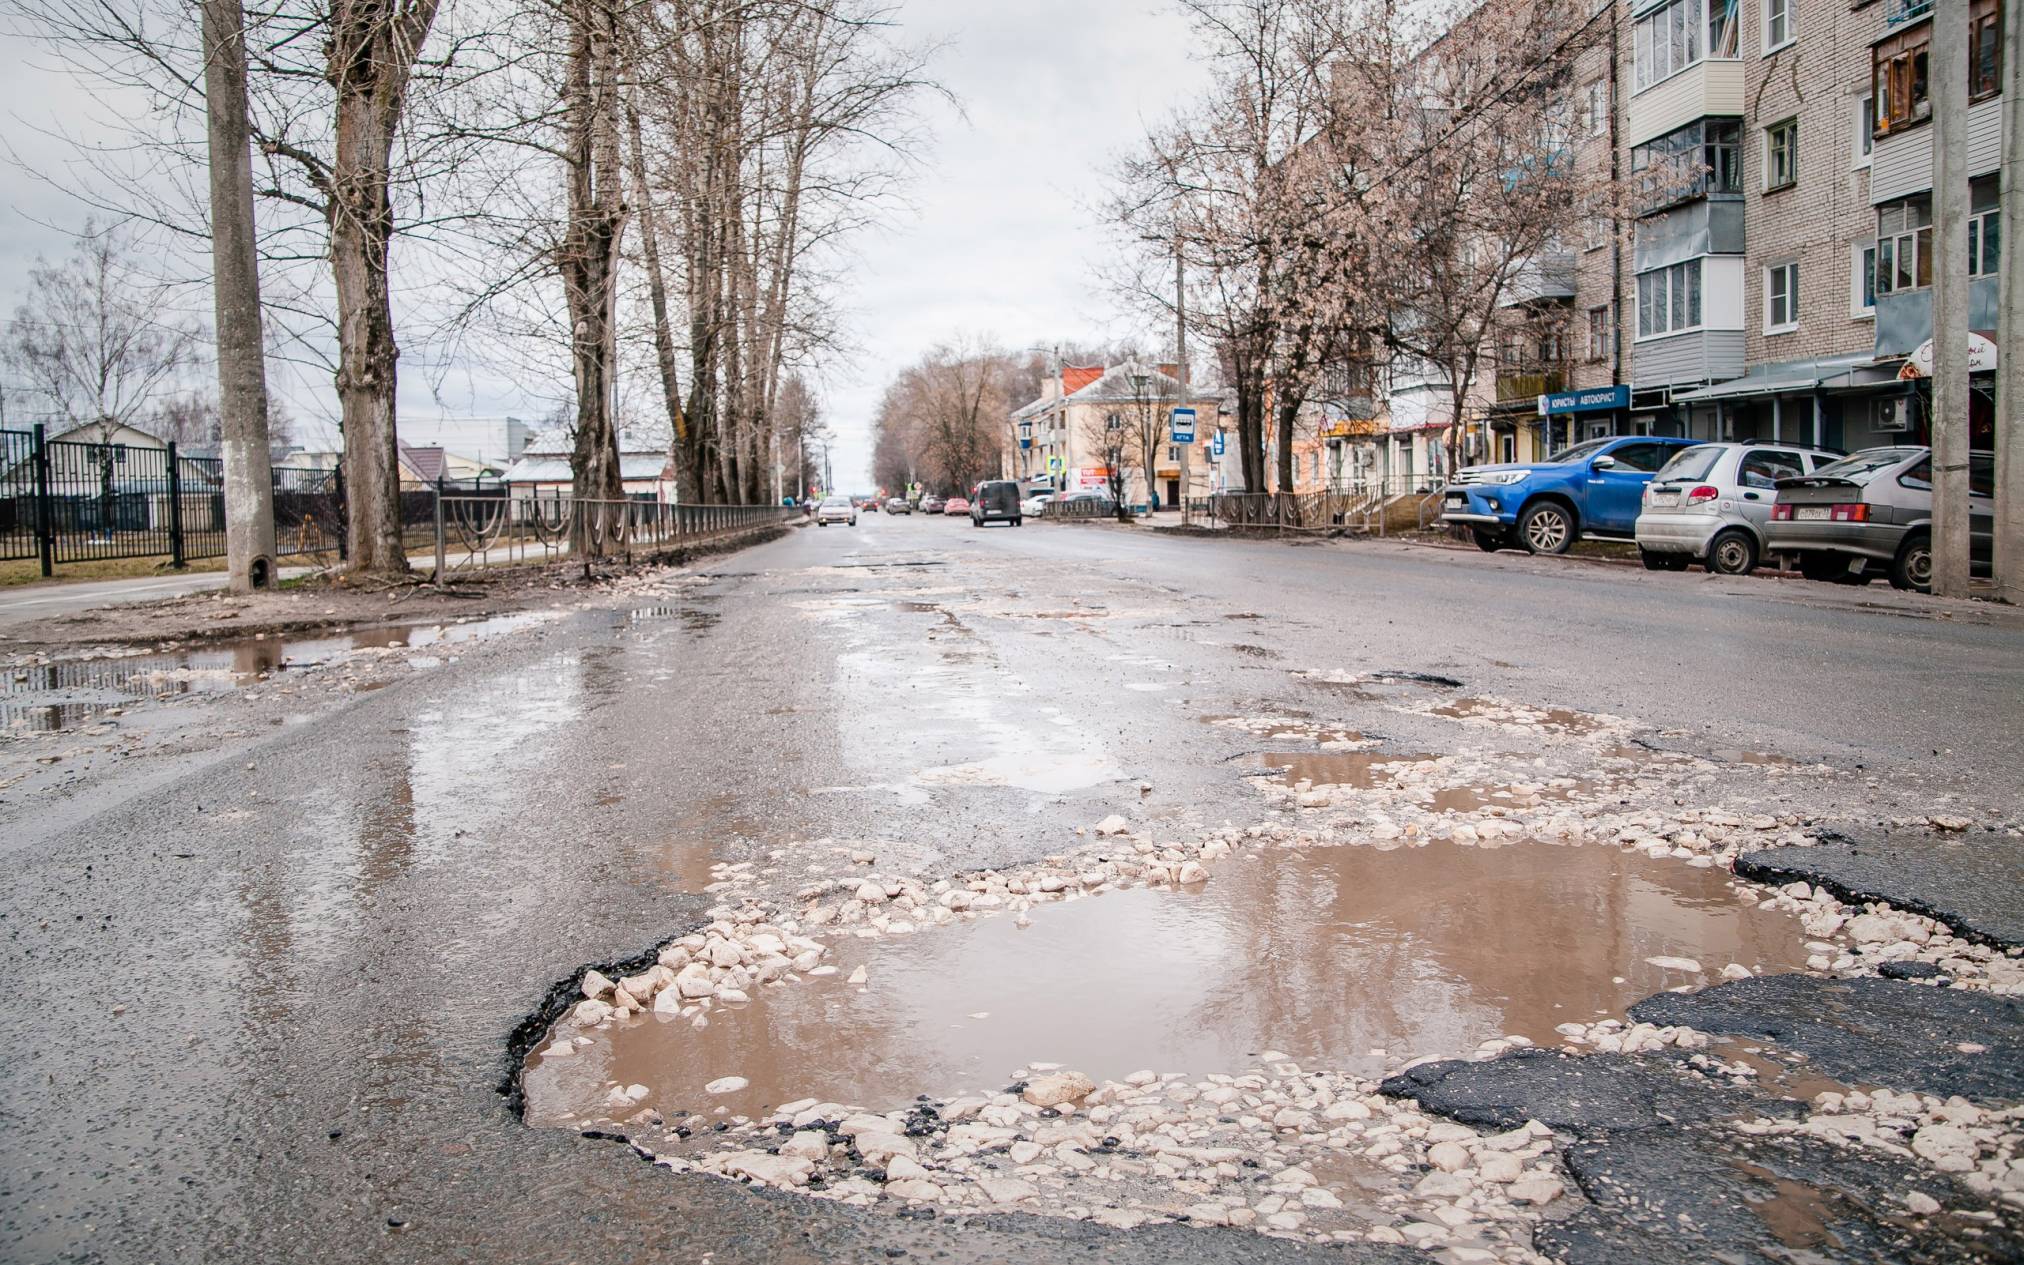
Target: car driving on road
(1711, 502)
(996, 502)
(955, 507)
(1591, 489)
(1871, 513)
(835, 509)
(898, 505)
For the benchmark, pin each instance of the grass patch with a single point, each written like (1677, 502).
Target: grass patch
(29, 571)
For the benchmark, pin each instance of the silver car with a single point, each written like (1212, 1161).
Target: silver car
(1711, 502)
(835, 509)
(1871, 513)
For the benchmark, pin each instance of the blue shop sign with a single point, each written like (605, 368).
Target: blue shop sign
(1594, 400)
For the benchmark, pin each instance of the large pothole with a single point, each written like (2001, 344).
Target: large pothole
(1346, 957)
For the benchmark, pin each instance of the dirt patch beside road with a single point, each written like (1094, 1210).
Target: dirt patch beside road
(330, 603)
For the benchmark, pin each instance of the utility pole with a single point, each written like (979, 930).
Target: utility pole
(235, 298)
(2009, 436)
(1181, 356)
(1950, 298)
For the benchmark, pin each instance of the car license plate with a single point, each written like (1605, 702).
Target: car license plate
(1665, 498)
(1809, 511)
(1458, 500)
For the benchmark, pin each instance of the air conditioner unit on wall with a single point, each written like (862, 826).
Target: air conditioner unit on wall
(1894, 414)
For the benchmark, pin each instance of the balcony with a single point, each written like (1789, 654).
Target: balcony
(1899, 12)
(1515, 388)
(1545, 276)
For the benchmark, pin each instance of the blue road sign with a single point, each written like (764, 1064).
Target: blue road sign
(1184, 425)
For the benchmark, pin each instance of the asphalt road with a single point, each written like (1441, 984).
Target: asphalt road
(259, 1009)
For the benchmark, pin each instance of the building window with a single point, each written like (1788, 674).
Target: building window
(1898, 80)
(1669, 299)
(1690, 162)
(1862, 280)
(1677, 35)
(1601, 332)
(1781, 155)
(1904, 245)
(1984, 243)
(1781, 298)
(1863, 143)
(1778, 24)
(1985, 49)
(1596, 115)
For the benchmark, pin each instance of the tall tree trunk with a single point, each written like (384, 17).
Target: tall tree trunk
(588, 257)
(686, 489)
(235, 301)
(372, 51)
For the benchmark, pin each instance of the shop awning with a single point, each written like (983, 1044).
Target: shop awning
(1790, 377)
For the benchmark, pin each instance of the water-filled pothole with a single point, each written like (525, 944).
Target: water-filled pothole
(63, 693)
(1346, 957)
(1361, 769)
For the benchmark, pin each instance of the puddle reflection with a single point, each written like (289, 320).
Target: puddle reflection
(1349, 958)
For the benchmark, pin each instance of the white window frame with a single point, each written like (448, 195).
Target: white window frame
(1769, 131)
(1864, 137)
(1673, 274)
(1861, 280)
(1598, 108)
(1789, 270)
(1787, 10)
(1645, 70)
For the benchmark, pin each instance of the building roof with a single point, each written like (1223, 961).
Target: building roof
(428, 463)
(632, 467)
(1786, 377)
(1115, 386)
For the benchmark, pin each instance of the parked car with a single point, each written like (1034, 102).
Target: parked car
(835, 509)
(997, 502)
(1711, 502)
(1592, 489)
(1871, 513)
(1035, 504)
(898, 505)
(955, 507)
(931, 505)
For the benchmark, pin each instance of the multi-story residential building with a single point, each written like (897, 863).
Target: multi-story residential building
(1782, 240)
(1061, 439)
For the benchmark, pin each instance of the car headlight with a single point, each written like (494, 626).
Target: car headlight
(1502, 477)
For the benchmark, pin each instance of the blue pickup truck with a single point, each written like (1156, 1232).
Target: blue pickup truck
(1591, 489)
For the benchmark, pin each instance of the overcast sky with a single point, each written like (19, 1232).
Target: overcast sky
(1001, 242)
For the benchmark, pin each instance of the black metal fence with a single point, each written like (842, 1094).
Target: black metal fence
(91, 499)
(75, 500)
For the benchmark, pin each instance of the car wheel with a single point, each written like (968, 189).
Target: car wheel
(1656, 561)
(1733, 552)
(1913, 566)
(1019, 522)
(1487, 541)
(1546, 527)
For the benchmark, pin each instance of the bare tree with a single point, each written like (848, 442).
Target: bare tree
(942, 420)
(95, 338)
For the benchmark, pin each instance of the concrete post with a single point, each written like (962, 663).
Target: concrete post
(1950, 297)
(2010, 329)
(1181, 357)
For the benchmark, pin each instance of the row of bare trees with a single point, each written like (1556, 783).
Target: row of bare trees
(942, 421)
(1361, 184)
(564, 180)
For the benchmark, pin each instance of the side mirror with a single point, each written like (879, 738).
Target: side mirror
(1605, 463)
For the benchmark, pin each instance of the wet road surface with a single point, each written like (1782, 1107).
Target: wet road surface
(260, 1013)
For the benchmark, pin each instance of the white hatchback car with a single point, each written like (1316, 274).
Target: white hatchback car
(1709, 504)
(835, 509)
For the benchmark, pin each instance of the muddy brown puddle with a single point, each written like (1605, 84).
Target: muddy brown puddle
(1361, 769)
(68, 692)
(1345, 957)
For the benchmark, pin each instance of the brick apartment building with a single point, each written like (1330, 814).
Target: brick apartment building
(1770, 273)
